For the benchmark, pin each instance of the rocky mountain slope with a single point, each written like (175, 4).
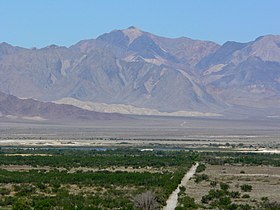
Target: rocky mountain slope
(245, 73)
(133, 67)
(121, 67)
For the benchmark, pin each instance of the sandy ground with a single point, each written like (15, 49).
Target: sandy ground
(25, 155)
(173, 132)
(271, 151)
(265, 181)
(200, 145)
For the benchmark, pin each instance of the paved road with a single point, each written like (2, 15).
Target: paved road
(171, 202)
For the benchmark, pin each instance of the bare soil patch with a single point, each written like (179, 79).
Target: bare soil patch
(265, 182)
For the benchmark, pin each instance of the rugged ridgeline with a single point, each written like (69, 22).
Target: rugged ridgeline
(246, 74)
(132, 67)
(12, 107)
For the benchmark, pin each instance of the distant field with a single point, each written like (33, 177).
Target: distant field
(147, 132)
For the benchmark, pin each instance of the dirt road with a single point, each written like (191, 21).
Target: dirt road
(171, 202)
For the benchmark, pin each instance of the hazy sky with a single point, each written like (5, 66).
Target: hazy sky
(40, 23)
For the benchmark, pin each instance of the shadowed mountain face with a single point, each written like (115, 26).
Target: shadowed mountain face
(11, 106)
(138, 68)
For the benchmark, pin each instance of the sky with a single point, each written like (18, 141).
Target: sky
(39, 23)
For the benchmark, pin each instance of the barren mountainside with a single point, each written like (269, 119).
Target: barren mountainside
(245, 73)
(137, 68)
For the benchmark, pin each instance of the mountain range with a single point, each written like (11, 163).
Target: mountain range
(12, 107)
(134, 68)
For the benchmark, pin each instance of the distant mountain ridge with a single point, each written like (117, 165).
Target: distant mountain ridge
(15, 108)
(133, 67)
(245, 73)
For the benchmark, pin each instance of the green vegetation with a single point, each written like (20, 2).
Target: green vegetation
(201, 177)
(201, 167)
(224, 186)
(222, 199)
(246, 188)
(222, 158)
(93, 158)
(122, 179)
(267, 204)
(185, 201)
(109, 179)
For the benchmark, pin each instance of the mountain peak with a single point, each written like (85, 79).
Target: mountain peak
(132, 33)
(5, 44)
(6, 48)
(131, 27)
(267, 47)
(268, 37)
(52, 46)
